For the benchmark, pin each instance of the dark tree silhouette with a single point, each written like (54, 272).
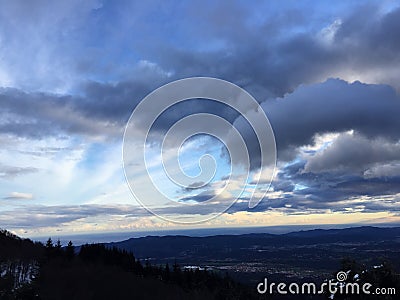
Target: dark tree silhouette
(70, 251)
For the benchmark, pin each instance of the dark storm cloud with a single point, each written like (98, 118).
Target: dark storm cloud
(103, 110)
(269, 58)
(115, 102)
(373, 35)
(38, 115)
(275, 56)
(333, 106)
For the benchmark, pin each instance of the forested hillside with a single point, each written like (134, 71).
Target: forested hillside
(36, 271)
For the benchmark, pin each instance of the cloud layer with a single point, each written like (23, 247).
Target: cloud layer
(72, 73)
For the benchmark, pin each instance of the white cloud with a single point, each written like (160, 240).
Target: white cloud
(19, 196)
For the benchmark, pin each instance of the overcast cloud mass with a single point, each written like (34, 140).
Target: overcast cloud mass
(71, 73)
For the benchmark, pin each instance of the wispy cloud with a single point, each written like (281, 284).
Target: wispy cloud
(18, 196)
(9, 172)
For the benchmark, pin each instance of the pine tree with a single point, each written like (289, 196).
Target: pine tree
(58, 244)
(69, 251)
(49, 244)
(49, 248)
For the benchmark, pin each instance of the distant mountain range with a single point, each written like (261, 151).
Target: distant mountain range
(167, 246)
(316, 252)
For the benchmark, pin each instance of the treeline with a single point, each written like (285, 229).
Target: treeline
(97, 272)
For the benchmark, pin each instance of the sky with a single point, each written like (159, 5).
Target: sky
(72, 72)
